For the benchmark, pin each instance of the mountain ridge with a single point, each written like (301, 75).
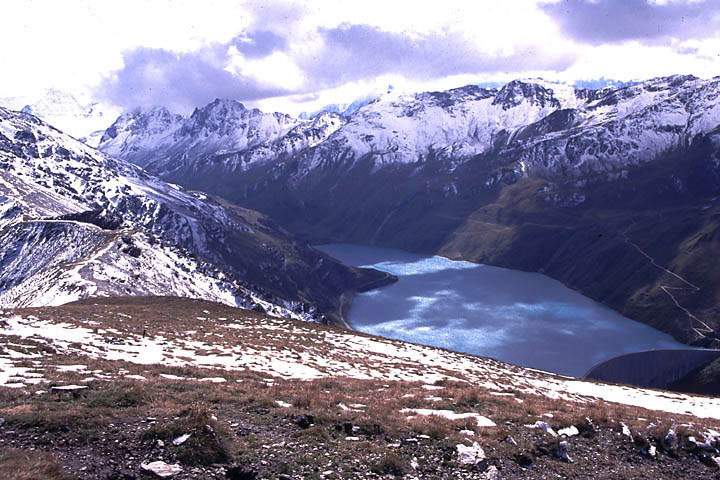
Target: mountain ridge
(93, 225)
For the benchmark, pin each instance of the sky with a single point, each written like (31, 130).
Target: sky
(299, 56)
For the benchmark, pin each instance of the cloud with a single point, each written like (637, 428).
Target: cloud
(609, 21)
(344, 54)
(260, 43)
(353, 52)
(180, 81)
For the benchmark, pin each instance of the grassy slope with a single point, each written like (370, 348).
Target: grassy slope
(256, 425)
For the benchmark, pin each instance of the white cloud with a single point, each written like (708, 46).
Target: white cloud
(77, 45)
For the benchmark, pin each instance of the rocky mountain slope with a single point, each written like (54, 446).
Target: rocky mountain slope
(75, 223)
(612, 191)
(202, 390)
(162, 141)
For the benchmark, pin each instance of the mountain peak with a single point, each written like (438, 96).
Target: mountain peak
(518, 91)
(220, 105)
(142, 120)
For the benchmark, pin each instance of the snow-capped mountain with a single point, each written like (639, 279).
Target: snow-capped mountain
(84, 121)
(534, 175)
(162, 141)
(342, 109)
(75, 223)
(637, 123)
(136, 134)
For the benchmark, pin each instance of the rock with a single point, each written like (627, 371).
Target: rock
(491, 473)
(587, 428)
(239, 472)
(710, 461)
(540, 425)
(626, 430)
(181, 439)
(511, 441)
(161, 469)
(652, 451)
(414, 463)
(305, 421)
(72, 389)
(471, 455)
(570, 431)
(562, 452)
(122, 474)
(670, 440)
(523, 459)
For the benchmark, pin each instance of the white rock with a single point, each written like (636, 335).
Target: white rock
(626, 430)
(282, 404)
(540, 425)
(68, 388)
(562, 451)
(670, 439)
(471, 455)
(480, 420)
(491, 473)
(570, 431)
(161, 469)
(181, 439)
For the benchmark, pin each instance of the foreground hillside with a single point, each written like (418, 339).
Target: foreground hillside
(119, 388)
(614, 192)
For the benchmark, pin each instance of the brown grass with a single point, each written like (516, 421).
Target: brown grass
(391, 464)
(210, 441)
(18, 464)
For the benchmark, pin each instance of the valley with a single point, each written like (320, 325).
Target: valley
(341, 240)
(613, 192)
(506, 242)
